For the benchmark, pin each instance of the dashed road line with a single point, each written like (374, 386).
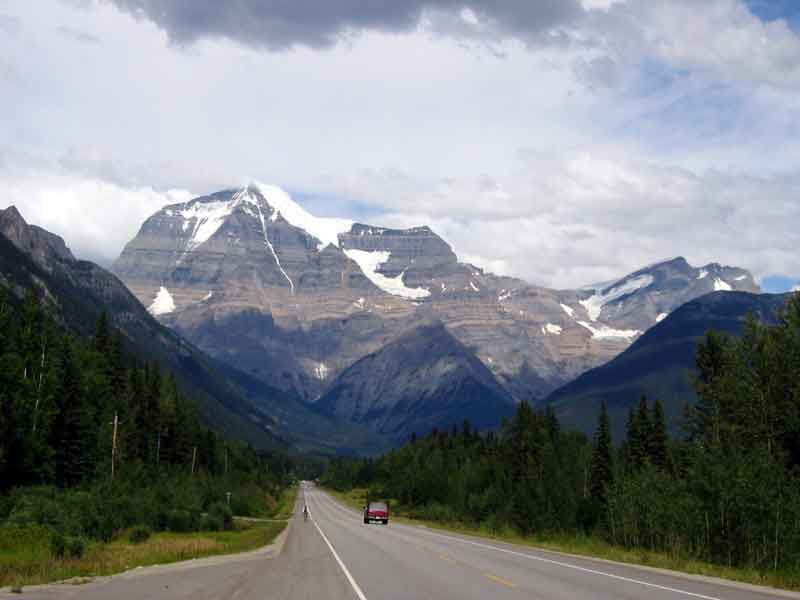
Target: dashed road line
(500, 580)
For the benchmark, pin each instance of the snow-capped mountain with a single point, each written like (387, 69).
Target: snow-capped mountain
(255, 280)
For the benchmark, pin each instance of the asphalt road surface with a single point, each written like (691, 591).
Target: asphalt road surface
(334, 555)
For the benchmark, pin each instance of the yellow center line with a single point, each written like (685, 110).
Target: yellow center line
(500, 580)
(448, 559)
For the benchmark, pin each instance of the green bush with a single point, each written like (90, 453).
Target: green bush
(58, 545)
(182, 521)
(76, 547)
(223, 513)
(62, 546)
(212, 523)
(140, 534)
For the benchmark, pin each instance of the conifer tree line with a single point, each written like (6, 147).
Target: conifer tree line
(61, 399)
(725, 489)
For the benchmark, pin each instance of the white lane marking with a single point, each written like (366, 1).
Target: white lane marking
(575, 567)
(561, 564)
(347, 574)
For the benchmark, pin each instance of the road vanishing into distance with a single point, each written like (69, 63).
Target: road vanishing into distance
(335, 556)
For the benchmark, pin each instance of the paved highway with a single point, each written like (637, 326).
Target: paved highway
(334, 555)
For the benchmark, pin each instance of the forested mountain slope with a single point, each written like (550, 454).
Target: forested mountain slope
(661, 364)
(232, 403)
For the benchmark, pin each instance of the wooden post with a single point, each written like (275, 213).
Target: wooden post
(114, 446)
(226, 460)
(194, 458)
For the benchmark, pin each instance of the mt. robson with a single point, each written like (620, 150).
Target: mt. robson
(296, 301)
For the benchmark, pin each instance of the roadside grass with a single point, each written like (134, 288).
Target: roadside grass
(26, 559)
(587, 546)
(286, 503)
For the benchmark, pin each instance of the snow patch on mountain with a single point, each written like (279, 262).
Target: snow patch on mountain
(551, 328)
(204, 220)
(321, 371)
(570, 311)
(601, 332)
(661, 317)
(595, 303)
(722, 286)
(703, 274)
(324, 229)
(271, 247)
(163, 304)
(740, 278)
(370, 262)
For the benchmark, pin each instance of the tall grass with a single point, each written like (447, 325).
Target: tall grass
(26, 559)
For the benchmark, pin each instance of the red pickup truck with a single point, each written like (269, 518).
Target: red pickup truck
(377, 512)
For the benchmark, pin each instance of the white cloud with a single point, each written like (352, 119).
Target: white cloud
(723, 36)
(796, 288)
(646, 129)
(95, 217)
(567, 220)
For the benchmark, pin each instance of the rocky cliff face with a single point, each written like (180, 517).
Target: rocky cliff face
(47, 250)
(295, 300)
(422, 380)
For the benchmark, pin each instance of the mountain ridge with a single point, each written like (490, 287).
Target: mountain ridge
(252, 278)
(32, 258)
(661, 363)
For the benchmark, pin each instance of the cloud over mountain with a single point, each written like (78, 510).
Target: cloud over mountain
(277, 25)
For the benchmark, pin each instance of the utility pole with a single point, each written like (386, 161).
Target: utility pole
(194, 458)
(115, 422)
(226, 460)
(39, 388)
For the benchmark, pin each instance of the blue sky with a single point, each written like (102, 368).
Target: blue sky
(560, 144)
(769, 10)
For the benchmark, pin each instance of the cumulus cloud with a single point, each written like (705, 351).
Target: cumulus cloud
(572, 219)
(610, 134)
(562, 220)
(277, 25)
(723, 37)
(95, 217)
(719, 36)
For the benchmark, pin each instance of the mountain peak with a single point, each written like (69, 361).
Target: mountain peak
(45, 248)
(12, 214)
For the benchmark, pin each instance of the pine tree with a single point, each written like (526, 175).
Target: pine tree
(713, 361)
(72, 427)
(601, 473)
(102, 335)
(633, 448)
(659, 438)
(553, 426)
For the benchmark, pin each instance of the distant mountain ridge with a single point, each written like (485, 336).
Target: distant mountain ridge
(295, 300)
(661, 363)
